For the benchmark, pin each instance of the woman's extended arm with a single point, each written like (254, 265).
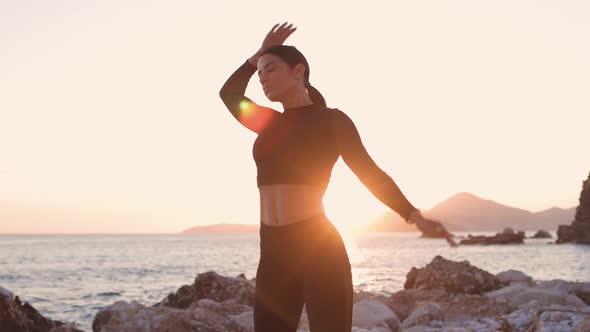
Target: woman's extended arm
(376, 180)
(247, 112)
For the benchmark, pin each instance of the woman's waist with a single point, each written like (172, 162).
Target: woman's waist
(282, 204)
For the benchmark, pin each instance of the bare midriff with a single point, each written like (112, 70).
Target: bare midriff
(283, 204)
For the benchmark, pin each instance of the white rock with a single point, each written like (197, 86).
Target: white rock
(245, 320)
(485, 324)
(521, 318)
(534, 297)
(455, 329)
(556, 285)
(559, 321)
(514, 277)
(417, 328)
(369, 314)
(423, 315)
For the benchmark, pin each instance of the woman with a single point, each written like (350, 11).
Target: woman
(302, 256)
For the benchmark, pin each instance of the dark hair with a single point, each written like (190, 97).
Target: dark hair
(292, 56)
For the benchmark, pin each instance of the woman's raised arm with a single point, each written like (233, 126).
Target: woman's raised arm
(247, 112)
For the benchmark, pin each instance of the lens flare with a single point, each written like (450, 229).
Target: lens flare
(255, 116)
(245, 106)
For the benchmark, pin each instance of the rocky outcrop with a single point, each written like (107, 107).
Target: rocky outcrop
(579, 230)
(212, 286)
(499, 238)
(447, 296)
(541, 234)
(453, 277)
(16, 316)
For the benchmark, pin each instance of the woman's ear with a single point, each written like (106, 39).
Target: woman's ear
(300, 71)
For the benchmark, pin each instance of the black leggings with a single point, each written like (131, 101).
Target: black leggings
(304, 262)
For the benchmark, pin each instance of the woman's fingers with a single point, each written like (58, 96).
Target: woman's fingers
(278, 34)
(283, 30)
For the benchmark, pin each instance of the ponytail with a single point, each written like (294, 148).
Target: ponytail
(315, 95)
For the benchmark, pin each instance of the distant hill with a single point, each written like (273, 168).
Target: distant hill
(223, 228)
(467, 212)
(461, 212)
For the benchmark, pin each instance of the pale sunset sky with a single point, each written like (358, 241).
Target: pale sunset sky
(111, 121)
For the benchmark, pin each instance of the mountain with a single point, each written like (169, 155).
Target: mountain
(461, 212)
(223, 228)
(467, 212)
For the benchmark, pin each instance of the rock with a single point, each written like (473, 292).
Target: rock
(212, 286)
(560, 319)
(6, 294)
(579, 230)
(541, 234)
(513, 277)
(556, 285)
(16, 316)
(373, 314)
(579, 289)
(204, 315)
(404, 301)
(465, 307)
(423, 315)
(584, 325)
(457, 307)
(499, 238)
(419, 328)
(453, 277)
(520, 319)
(525, 297)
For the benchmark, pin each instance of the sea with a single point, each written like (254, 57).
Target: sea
(71, 277)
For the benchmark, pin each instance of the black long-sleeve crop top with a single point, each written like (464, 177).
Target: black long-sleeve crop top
(302, 144)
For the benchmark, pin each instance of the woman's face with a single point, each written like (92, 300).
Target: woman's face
(277, 78)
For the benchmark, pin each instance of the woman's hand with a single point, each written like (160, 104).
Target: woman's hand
(431, 228)
(272, 38)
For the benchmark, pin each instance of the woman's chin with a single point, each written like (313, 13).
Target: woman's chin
(272, 97)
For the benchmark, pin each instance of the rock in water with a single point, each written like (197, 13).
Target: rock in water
(579, 230)
(453, 277)
(542, 234)
(499, 238)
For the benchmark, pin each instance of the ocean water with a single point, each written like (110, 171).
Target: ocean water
(71, 277)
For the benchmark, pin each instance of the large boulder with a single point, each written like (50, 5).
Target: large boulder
(204, 315)
(453, 277)
(16, 316)
(212, 286)
(579, 230)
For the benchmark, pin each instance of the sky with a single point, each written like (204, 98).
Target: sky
(111, 122)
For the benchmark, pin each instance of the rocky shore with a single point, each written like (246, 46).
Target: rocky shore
(443, 296)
